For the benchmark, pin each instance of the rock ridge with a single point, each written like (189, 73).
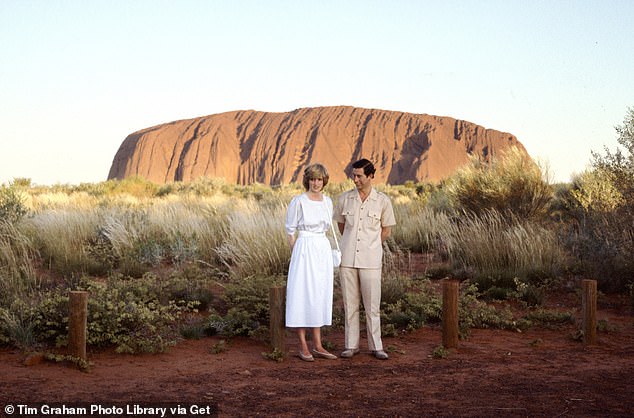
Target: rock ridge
(248, 146)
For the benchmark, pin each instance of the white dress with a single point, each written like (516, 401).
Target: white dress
(309, 287)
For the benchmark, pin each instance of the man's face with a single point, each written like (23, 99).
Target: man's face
(360, 179)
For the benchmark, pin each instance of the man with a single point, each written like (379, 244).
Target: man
(365, 218)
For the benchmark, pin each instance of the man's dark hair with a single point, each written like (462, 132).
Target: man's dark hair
(366, 165)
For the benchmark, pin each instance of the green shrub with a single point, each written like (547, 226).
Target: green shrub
(550, 318)
(248, 302)
(17, 327)
(473, 313)
(407, 307)
(12, 207)
(121, 312)
(193, 328)
(440, 352)
(605, 225)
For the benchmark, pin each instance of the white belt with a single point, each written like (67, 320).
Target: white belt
(311, 234)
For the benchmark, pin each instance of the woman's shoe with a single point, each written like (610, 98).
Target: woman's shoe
(325, 354)
(306, 357)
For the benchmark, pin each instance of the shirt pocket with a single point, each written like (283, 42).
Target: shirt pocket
(348, 215)
(373, 218)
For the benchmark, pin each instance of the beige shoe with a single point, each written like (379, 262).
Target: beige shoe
(326, 354)
(306, 357)
(349, 352)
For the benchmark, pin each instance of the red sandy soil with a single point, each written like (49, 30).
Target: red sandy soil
(537, 373)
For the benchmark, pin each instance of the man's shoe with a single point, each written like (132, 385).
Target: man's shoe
(349, 352)
(380, 354)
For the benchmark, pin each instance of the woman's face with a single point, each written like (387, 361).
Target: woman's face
(316, 184)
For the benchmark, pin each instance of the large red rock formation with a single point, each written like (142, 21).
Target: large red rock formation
(273, 148)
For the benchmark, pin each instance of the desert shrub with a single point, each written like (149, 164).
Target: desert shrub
(134, 186)
(193, 328)
(596, 191)
(190, 286)
(420, 305)
(126, 313)
(12, 206)
(17, 327)
(394, 287)
(474, 313)
(604, 239)
(248, 302)
(512, 183)
(440, 352)
(549, 318)
(202, 186)
(408, 305)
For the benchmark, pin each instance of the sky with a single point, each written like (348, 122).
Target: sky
(77, 77)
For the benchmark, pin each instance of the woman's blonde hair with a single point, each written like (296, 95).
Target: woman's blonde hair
(315, 171)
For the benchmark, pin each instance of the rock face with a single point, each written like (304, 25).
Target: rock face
(273, 148)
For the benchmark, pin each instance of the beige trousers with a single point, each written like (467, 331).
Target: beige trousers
(357, 284)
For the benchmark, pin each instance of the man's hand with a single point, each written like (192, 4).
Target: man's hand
(386, 231)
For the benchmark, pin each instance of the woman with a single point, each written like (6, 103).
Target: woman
(309, 286)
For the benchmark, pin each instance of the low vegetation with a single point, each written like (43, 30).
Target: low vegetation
(186, 260)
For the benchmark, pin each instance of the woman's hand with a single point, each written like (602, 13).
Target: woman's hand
(291, 240)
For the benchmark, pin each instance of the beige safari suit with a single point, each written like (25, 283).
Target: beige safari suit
(361, 261)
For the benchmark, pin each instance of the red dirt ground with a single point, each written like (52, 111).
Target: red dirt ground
(538, 373)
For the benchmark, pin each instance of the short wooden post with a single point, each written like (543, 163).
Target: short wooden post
(277, 323)
(589, 306)
(450, 313)
(78, 317)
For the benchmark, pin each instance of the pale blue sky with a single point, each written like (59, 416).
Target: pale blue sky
(76, 77)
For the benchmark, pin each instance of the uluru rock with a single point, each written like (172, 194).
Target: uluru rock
(249, 146)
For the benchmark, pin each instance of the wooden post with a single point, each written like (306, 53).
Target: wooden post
(277, 323)
(77, 323)
(450, 313)
(589, 306)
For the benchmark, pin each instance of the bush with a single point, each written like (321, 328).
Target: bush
(17, 327)
(512, 183)
(406, 306)
(604, 240)
(121, 312)
(248, 301)
(12, 207)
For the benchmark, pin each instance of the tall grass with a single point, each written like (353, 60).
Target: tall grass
(419, 228)
(500, 249)
(17, 260)
(60, 236)
(255, 240)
